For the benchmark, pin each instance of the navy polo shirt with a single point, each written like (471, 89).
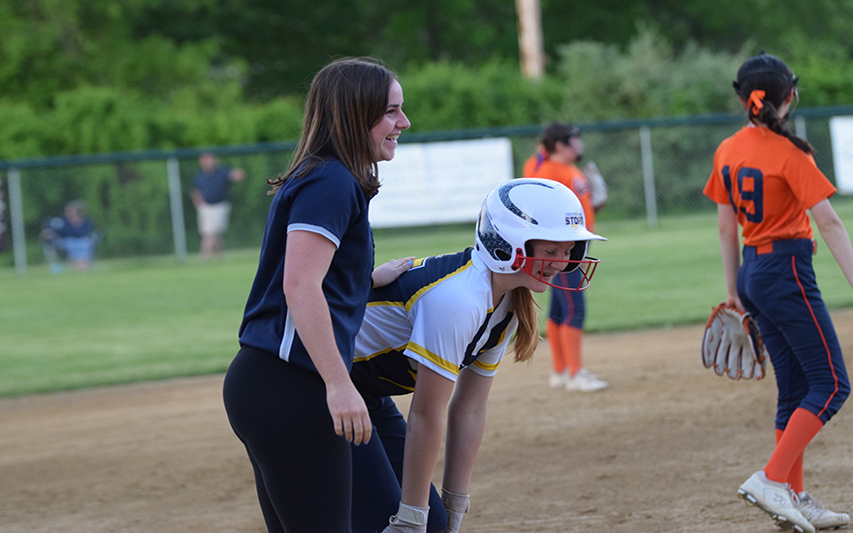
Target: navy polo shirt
(330, 202)
(214, 186)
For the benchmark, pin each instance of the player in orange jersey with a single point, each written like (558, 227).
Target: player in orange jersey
(765, 179)
(561, 146)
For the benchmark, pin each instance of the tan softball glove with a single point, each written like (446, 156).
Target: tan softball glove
(732, 344)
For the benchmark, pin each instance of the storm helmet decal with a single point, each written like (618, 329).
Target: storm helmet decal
(575, 219)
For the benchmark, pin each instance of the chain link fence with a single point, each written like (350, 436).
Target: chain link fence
(140, 202)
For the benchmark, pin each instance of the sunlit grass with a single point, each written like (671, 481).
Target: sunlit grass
(153, 318)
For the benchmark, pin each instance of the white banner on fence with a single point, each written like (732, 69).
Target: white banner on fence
(841, 130)
(439, 183)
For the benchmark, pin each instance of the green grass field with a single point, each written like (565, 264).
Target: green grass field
(147, 319)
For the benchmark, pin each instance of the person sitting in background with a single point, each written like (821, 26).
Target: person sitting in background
(73, 235)
(210, 195)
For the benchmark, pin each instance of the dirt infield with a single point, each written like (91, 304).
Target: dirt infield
(664, 449)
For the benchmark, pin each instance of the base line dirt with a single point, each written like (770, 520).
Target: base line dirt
(664, 449)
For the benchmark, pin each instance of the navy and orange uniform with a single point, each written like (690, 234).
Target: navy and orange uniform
(439, 315)
(770, 184)
(567, 309)
(540, 166)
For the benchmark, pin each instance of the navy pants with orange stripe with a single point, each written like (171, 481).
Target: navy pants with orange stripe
(779, 289)
(568, 307)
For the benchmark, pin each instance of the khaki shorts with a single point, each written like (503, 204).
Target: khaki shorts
(213, 218)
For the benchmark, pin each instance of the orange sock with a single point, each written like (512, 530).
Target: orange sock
(572, 338)
(555, 342)
(802, 428)
(795, 476)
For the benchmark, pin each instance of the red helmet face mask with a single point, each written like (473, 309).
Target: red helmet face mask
(587, 267)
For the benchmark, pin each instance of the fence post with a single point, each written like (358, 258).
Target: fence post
(648, 176)
(173, 170)
(16, 215)
(800, 126)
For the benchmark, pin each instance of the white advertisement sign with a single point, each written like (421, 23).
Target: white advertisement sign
(439, 183)
(841, 130)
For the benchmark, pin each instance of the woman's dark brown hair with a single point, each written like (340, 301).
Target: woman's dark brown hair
(346, 99)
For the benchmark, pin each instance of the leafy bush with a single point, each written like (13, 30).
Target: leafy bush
(647, 79)
(451, 96)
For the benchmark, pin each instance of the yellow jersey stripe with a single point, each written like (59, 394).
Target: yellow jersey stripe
(428, 355)
(383, 352)
(488, 367)
(410, 389)
(425, 288)
(384, 302)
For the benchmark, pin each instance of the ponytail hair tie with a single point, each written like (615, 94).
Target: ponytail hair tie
(755, 98)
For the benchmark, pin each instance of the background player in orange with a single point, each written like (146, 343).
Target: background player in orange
(765, 179)
(561, 146)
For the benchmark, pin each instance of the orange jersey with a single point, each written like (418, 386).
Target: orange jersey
(538, 166)
(769, 182)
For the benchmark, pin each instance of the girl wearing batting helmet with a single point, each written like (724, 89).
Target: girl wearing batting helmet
(765, 179)
(288, 393)
(440, 332)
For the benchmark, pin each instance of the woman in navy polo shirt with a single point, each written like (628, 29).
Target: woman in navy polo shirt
(288, 393)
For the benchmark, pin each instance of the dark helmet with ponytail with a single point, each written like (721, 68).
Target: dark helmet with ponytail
(764, 83)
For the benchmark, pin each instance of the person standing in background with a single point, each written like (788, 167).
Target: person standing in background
(210, 195)
(561, 146)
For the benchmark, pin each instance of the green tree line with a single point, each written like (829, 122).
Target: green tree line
(111, 75)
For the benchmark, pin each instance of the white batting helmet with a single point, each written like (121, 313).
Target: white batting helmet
(525, 209)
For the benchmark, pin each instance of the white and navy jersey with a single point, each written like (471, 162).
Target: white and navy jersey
(440, 315)
(328, 201)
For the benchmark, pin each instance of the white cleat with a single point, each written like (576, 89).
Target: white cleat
(558, 380)
(585, 381)
(818, 515)
(775, 499)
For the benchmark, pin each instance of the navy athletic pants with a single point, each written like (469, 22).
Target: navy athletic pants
(777, 286)
(303, 470)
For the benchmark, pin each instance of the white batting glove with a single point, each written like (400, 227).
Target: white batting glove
(409, 519)
(456, 505)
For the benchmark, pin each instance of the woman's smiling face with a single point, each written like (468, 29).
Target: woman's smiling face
(384, 134)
